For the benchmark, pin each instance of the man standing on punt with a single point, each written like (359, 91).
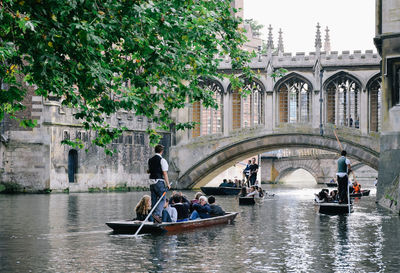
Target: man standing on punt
(158, 168)
(344, 168)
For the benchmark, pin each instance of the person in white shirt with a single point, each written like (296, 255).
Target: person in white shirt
(253, 192)
(344, 168)
(169, 214)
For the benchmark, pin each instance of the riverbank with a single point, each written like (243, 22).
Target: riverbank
(14, 188)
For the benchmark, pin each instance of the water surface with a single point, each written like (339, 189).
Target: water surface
(67, 233)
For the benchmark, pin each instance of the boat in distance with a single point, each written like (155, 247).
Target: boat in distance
(130, 227)
(220, 190)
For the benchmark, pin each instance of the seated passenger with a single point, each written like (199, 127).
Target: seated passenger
(323, 195)
(231, 184)
(333, 195)
(253, 192)
(260, 192)
(356, 187)
(169, 214)
(215, 209)
(143, 208)
(224, 183)
(243, 192)
(201, 210)
(195, 200)
(181, 208)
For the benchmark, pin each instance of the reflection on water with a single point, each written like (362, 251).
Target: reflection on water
(66, 233)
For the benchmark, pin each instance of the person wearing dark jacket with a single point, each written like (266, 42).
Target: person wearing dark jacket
(215, 209)
(181, 208)
(201, 210)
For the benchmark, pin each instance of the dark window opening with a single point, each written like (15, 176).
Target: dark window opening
(72, 165)
(66, 135)
(128, 140)
(396, 97)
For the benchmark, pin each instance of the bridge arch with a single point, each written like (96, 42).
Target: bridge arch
(205, 169)
(289, 169)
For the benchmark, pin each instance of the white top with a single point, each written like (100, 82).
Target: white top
(254, 193)
(172, 213)
(343, 174)
(164, 163)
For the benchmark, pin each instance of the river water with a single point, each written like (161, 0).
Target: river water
(67, 233)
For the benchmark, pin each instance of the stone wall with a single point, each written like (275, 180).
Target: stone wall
(387, 41)
(34, 160)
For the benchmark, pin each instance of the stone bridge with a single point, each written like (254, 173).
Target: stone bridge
(322, 166)
(323, 89)
(197, 162)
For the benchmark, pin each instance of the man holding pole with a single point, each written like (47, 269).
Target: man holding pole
(158, 168)
(344, 168)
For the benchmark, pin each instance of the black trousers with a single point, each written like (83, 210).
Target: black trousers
(343, 187)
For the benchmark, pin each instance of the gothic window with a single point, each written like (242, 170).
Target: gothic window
(375, 93)
(236, 110)
(294, 101)
(256, 100)
(343, 106)
(247, 110)
(330, 104)
(209, 119)
(196, 118)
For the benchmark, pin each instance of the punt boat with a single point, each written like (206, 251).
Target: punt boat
(333, 208)
(247, 200)
(331, 184)
(220, 190)
(359, 194)
(130, 227)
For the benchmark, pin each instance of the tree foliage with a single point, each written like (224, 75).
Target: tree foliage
(100, 57)
(255, 26)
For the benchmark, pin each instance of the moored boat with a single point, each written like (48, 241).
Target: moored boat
(130, 227)
(220, 190)
(333, 208)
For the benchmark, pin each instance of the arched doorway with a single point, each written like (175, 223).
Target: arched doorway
(72, 165)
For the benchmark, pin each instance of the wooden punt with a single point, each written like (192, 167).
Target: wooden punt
(246, 201)
(362, 193)
(330, 184)
(333, 208)
(220, 190)
(130, 227)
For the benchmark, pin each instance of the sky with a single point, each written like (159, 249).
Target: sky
(351, 22)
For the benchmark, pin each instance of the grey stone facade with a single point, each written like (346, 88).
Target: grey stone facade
(34, 160)
(387, 41)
